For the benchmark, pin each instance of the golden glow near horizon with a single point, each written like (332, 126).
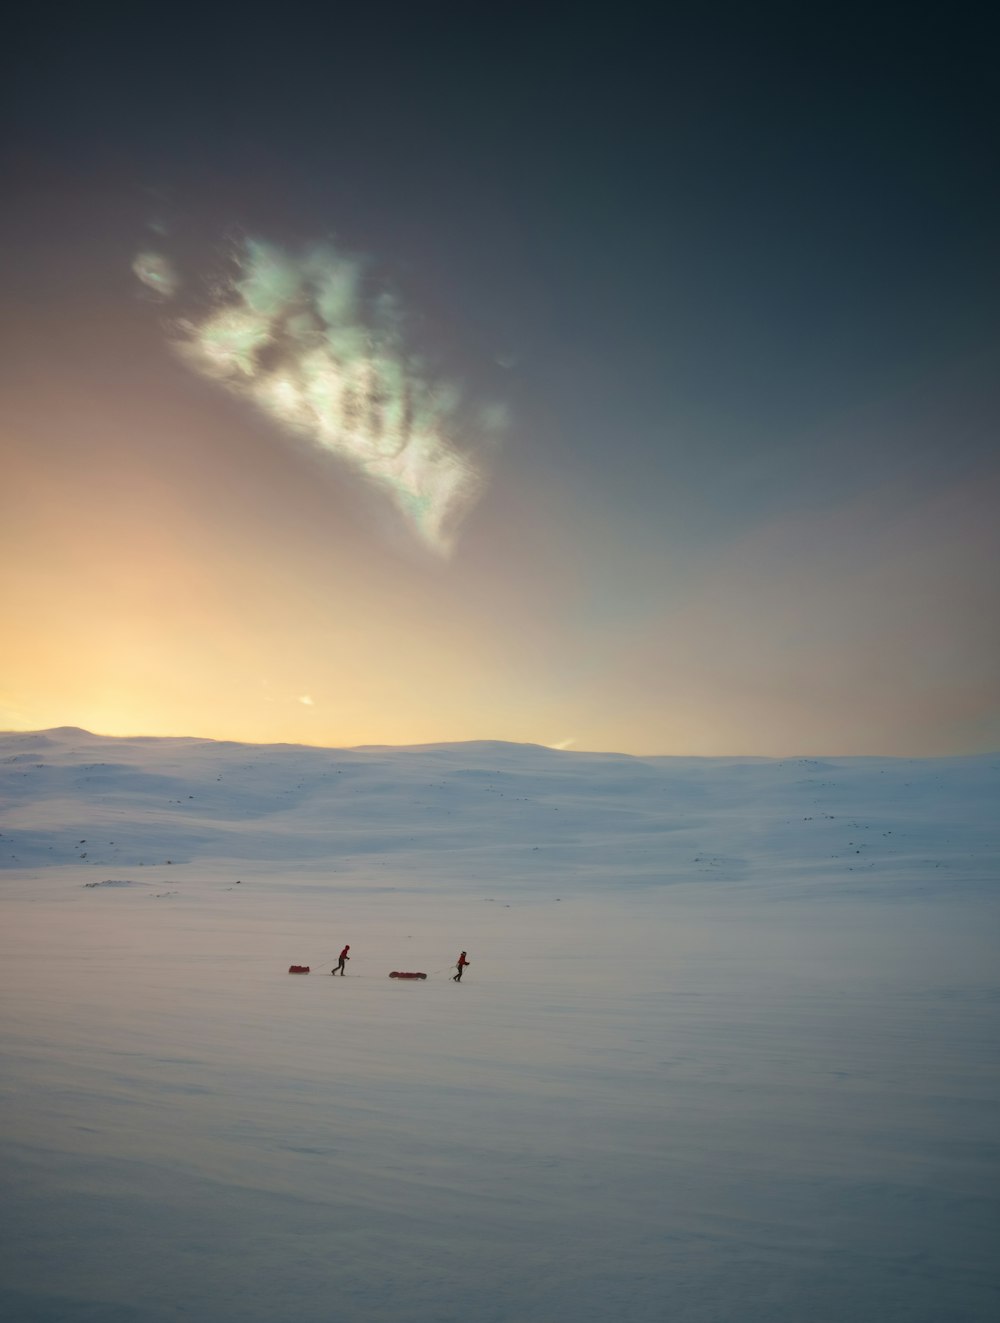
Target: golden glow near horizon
(137, 606)
(308, 341)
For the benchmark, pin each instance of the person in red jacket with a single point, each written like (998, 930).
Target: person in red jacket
(460, 965)
(340, 963)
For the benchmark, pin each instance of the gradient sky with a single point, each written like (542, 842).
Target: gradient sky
(383, 379)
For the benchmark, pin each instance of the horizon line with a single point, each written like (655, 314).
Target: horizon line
(513, 744)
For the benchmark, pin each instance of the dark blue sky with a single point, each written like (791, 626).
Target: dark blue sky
(756, 214)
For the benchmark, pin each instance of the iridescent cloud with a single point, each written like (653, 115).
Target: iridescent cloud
(311, 343)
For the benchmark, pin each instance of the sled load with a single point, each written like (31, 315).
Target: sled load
(398, 974)
(298, 969)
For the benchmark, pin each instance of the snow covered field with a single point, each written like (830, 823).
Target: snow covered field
(727, 1048)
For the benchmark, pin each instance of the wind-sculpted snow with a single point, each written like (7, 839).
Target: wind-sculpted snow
(726, 1047)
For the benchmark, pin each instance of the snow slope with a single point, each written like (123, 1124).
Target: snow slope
(726, 1049)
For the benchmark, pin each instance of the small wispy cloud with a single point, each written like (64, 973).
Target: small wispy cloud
(564, 744)
(156, 273)
(306, 701)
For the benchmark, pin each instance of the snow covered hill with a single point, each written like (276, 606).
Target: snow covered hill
(726, 1048)
(522, 816)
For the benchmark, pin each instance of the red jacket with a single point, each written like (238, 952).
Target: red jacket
(462, 962)
(344, 955)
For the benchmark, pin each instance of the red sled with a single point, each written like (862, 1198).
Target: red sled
(298, 969)
(396, 974)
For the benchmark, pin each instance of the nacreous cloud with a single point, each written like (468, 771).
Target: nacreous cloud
(311, 345)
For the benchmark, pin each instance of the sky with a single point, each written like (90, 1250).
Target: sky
(384, 377)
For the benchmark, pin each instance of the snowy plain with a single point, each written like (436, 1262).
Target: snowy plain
(726, 1050)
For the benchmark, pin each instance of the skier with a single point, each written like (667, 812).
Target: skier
(460, 965)
(340, 963)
